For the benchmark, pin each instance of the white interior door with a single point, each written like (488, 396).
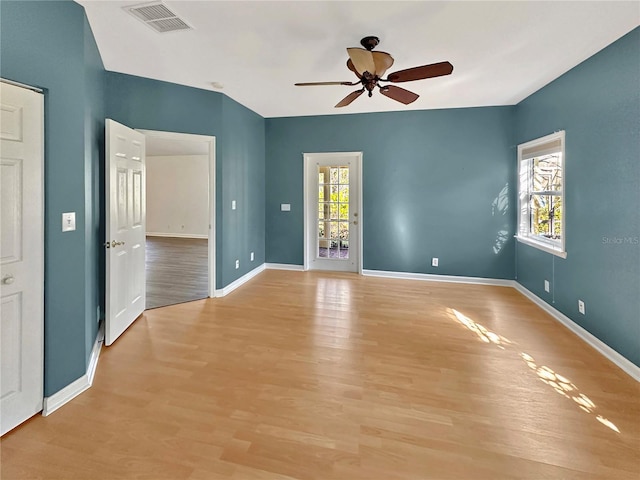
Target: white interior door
(125, 228)
(22, 255)
(333, 211)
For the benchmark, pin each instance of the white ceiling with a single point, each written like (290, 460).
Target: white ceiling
(502, 51)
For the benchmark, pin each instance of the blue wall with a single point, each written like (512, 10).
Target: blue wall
(243, 171)
(154, 105)
(49, 45)
(435, 184)
(598, 104)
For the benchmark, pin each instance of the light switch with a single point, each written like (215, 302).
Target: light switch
(233, 204)
(285, 207)
(68, 221)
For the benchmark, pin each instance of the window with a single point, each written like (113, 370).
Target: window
(541, 193)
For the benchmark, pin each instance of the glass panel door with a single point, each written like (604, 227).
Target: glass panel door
(333, 212)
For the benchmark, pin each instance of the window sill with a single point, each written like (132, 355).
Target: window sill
(542, 246)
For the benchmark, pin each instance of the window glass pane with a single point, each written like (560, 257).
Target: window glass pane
(321, 230)
(547, 173)
(334, 193)
(334, 230)
(321, 193)
(344, 230)
(344, 175)
(334, 175)
(344, 193)
(334, 211)
(546, 216)
(344, 211)
(320, 178)
(321, 208)
(344, 249)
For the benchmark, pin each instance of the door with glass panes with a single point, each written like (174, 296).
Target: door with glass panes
(333, 216)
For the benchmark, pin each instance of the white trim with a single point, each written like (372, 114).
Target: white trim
(541, 246)
(211, 141)
(176, 235)
(240, 281)
(284, 266)
(75, 388)
(498, 282)
(21, 85)
(604, 349)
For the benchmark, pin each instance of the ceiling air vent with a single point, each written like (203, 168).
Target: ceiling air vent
(158, 16)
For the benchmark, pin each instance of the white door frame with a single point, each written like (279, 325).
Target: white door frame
(211, 142)
(308, 158)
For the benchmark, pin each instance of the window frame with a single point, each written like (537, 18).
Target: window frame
(537, 148)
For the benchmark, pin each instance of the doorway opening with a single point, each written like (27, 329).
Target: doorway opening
(333, 211)
(180, 206)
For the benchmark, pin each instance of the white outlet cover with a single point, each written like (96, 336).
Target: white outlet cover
(237, 263)
(546, 285)
(68, 221)
(252, 256)
(434, 262)
(285, 207)
(233, 204)
(581, 307)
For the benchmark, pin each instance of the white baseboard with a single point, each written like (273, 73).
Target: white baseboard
(284, 266)
(627, 366)
(439, 278)
(239, 282)
(176, 235)
(75, 388)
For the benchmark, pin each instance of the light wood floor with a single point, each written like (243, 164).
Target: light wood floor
(336, 376)
(177, 270)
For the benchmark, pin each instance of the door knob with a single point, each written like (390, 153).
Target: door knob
(114, 244)
(7, 279)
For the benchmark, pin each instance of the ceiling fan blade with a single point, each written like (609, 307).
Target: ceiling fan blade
(313, 84)
(382, 61)
(352, 68)
(350, 98)
(399, 94)
(420, 73)
(362, 60)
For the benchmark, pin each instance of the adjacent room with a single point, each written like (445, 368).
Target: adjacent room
(320, 240)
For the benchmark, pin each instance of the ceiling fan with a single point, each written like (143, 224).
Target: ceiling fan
(370, 67)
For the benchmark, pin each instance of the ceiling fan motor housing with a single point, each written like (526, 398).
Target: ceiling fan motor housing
(370, 42)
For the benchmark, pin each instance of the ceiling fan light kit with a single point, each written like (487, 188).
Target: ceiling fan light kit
(370, 67)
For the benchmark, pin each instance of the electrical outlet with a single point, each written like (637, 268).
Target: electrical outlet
(434, 262)
(237, 264)
(233, 204)
(68, 221)
(581, 306)
(252, 256)
(546, 285)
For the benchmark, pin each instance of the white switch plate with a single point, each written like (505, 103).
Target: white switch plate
(581, 306)
(68, 221)
(233, 204)
(237, 264)
(434, 262)
(252, 257)
(285, 207)
(546, 285)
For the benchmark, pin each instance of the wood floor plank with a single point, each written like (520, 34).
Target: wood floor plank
(311, 375)
(176, 270)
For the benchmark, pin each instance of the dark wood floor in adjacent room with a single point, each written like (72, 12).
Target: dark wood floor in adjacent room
(177, 270)
(304, 375)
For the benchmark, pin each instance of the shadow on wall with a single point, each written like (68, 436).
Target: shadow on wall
(499, 210)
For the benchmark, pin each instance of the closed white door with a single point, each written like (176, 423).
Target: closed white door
(125, 228)
(22, 255)
(333, 216)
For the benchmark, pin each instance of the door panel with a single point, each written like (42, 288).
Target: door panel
(332, 211)
(21, 255)
(125, 242)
